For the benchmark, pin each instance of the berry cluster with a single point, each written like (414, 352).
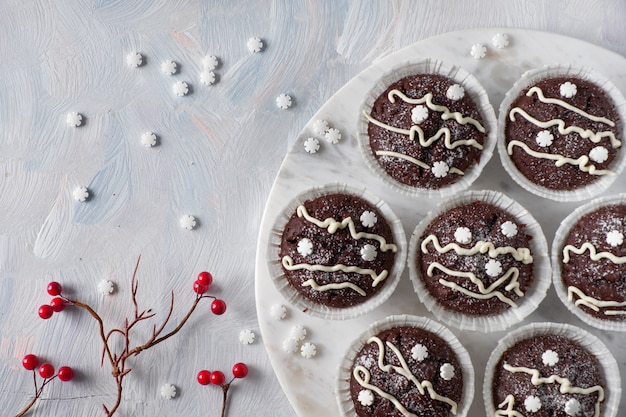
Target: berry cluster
(240, 370)
(201, 287)
(57, 304)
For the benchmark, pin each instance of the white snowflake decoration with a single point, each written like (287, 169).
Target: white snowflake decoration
(440, 169)
(550, 358)
(207, 77)
(291, 345)
(368, 218)
(308, 350)
(568, 89)
(278, 312)
(419, 114)
(366, 397)
(283, 101)
(500, 40)
(80, 194)
(74, 119)
(148, 139)
(446, 371)
(332, 135)
(508, 229)
(305, 247)
(168, 391)
(312, 145)
(614, 238)
(368, 253)
(180, 88)
(572, 407)
(246, 337)
(187, 222)
(320, 127)
(106, 287)
(169, 67)
(599, 154)
(544, 138)
(419, 352)
(532, 404)
(455, 92)
(210, 62)
(298, 332)
(493, 268)
(463, 235)
(478, 51)
(255, 44)
(134, 59)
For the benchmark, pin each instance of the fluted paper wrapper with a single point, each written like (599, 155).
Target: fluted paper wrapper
(344, 400)
(525, 305)
(475, 91)
(609, 368)
(316, 309)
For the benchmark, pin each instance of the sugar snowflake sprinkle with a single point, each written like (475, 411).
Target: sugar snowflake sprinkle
(440, 169)
(368, 253)
(419, 352)
(568, 89)
(148, 139)
(180, 88)
(298, 332)
(550, 358)
(532, 404)
(544, 138)
(599, 154)
(478, 51)
(255, 44)
(419, 114)
(210, 62)
(168, 391)
(366, 397)
(308, 350)
(500, 40)
(368, 218)
(305, 247)
(74, 119)
(80, 194)
(283, 101)
(134, 59)
(312, 145)
(332, 135)
(106, 287)
(246, 336)
(508, 229)
(455, 92)
(614, 238)
(446, 371)
(493, 268)
(169, 67)
(463, 235)
(320, 127)
(207, 77)
(187, 222)
(290, 345)
(572, 407)
(278, 312)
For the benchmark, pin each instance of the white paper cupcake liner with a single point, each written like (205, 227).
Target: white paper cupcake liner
(525, 305)
(316, 309)
(560, 237)
(608, 365)
(344, 400)
(471, 86)
(530, 78)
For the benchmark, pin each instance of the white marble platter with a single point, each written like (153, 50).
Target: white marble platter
(310, 383)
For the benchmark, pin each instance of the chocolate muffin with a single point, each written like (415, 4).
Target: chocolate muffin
(563, 132)
(403, 370)
(475, 259)
(337, 250)
(593, 263)
(548, 376)
(426, 131)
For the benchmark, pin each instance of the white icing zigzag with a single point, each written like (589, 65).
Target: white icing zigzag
(362, 376)
(415, 161)
(594, 303)
(519, 254)
(509, 402)
(593, 253)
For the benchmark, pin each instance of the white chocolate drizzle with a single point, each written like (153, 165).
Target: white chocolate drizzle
(362, 376)
(414, 160)
(560, 159)
(593, 253)
(509, 402)
(565, 384)
(594, 303)
(519, 254)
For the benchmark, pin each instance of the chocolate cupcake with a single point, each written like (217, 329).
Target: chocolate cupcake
(555, 370)
(562, 133)
(589, 256)
(479, 262)
(340, 252)
(406, 365)
(427, 129)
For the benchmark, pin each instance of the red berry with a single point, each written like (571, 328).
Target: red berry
(205, 278)
(45, 311)
(217, 377)
(30, 361)
(204, 377)
(218, 307)
(240, 370)
(46, 370)
(200, 288)
(57, 304)
(65, 373)
(54, 288)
